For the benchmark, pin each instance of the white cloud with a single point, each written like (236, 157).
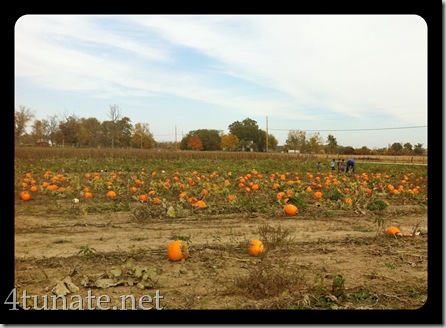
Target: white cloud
(306, 67)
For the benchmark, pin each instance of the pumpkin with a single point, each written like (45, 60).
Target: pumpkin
(256, 247)
(290, 210)
(318, 195)
(111, 194)
(88, 194)
(393, 231)
(177, 250)
(200, 204)
(24, 195)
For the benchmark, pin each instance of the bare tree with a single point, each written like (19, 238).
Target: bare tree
(114, 115)
(52, 128)
(21, 119)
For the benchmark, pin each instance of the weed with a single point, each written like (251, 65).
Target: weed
(268, 279)
(377, 205)
(273, 237)
(86, 251)
(334, 195)
(390, 266)
(180, 237)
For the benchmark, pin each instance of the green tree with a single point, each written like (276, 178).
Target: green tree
(332, 144)
(38, 130)
(210, 139)
(248, 133)
(90, 132)
(419, 150)
(69, 131)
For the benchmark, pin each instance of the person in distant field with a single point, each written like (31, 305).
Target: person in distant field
(332, 164)
(341, 165)
(350, 165)
(318, 165)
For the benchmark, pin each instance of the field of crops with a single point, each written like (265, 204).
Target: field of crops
(100, 221)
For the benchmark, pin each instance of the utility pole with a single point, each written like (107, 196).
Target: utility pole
(176, 145)
(267, 133)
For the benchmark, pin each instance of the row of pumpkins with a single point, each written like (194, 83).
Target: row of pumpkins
(178, 250)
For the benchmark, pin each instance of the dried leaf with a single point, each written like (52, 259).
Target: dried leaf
(171, 212)
(116, 271)
(129, 263)
(71, 286)
(105, 283)
(60, 289)
(149, 274)
(138, 272)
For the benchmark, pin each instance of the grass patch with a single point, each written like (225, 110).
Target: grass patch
(61, 241)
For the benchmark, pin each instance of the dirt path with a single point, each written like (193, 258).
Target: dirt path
(304, 258)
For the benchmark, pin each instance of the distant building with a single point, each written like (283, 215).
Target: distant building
(42, 143)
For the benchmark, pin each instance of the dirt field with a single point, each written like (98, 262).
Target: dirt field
(320, 260)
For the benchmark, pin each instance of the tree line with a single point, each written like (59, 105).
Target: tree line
(119, 132)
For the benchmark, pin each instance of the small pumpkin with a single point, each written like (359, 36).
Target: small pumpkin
(393, 231)
(290, 210)
(88, 194)
(256, 247)
(178, 250)
(200, 204)
(143, 198)
(111, 194)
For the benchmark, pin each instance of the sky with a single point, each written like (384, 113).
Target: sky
(360, 78)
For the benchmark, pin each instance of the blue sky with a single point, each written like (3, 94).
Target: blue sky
(360, 78)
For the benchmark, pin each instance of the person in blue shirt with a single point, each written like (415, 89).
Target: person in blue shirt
(350, 165)
(332, 164)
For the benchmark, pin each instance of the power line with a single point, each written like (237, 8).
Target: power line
(403, 127)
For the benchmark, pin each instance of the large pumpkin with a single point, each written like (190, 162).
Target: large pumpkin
(256, 247)
(290, 210)
(177, 250)
(24, 195)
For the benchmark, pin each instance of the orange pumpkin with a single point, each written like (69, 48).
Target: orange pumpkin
(25, 196)
(318, 195)
(256, 247)
(177, 250)
(393, 231)
(88, 194)
(200, 204)
(111, 194)
(290, 210)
